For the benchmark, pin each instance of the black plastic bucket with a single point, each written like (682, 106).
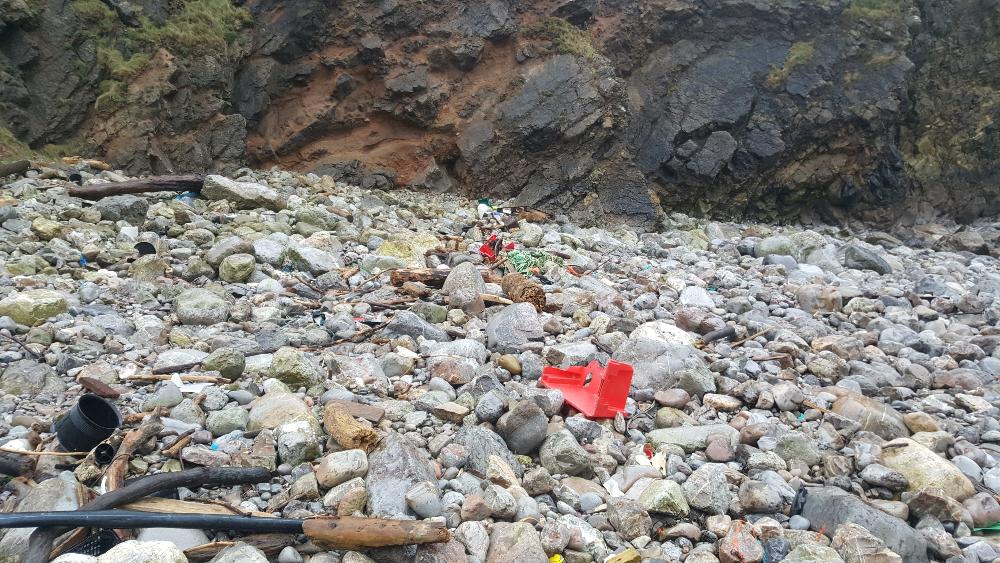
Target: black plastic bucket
(89, 423)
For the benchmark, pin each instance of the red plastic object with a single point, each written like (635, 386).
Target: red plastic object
(492, 246)
(487, 249)
(602, 397)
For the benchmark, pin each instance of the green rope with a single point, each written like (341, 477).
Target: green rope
(525, 261)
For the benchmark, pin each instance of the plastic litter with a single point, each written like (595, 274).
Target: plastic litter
(90, 421)
(530, 262)
(492, 248)
(595, 391)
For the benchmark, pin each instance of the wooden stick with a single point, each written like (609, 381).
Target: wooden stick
(40, 543)
(132, 441)
(270, 544)
(188, 378)
(20, 344)
(175, 368)
(175, 449)
(752, 336)
(432, 277)
(191, 183)
(363, 334)
(490, 298)
(173, 506)
(348, 532)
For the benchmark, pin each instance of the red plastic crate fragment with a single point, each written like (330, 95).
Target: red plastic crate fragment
(603, 396)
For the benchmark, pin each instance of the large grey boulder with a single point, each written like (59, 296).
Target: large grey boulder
(243, 195)
(827, 508)
(28, 377)
(393, 469)
(511, 328)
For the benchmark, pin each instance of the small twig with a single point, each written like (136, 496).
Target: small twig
(364, 334)
(175, 368)
(175, 449)
(752, 336)
(20, 344)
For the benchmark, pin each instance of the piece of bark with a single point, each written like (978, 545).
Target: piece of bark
(347, 431)
(348, 532)
(174, 506)
(40, 542)
(190, 183)
(358, 410)
(17, 167)
(431, 277)
(522, 290)
(270, 544)
(98, 387)
(16, 465)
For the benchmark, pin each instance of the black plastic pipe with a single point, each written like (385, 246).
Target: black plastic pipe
(127, 519)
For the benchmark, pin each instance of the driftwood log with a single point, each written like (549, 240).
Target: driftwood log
(522, 290)
(431, 277)
(347, 431)
(17, 167)
(192, 183)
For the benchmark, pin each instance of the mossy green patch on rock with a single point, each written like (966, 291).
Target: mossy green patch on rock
(565, 37)
(34, 306)
(11, 148)
(294, 368)
(202, 27)
(197, 27)
(876, 10)
(799, 53)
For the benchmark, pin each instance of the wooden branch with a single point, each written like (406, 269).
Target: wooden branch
(348, 532)
(133, 440)
(431, 277)
(17, 167)
(98, 387)
(173, 506)
(40, 543)
(192, 183)
(175, 449)
(188, 378)
(490, 298)
(270, 544)
(175, 368)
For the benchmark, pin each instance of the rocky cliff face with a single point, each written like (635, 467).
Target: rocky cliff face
(875, 108)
